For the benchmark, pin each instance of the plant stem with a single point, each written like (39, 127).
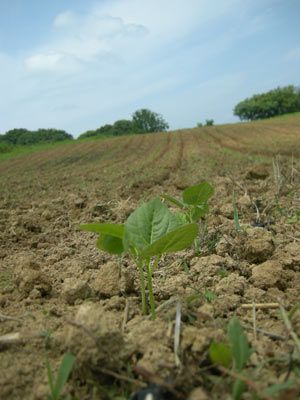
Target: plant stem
(149, 283)
(142, 283)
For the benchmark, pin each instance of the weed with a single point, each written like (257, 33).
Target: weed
(236, 215)
(223, 272)
(278, 177)
(209, 296)
(186, 265)
(64, 371)
(293, 219)
(149, 232)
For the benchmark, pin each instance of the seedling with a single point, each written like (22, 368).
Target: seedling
(149, 232)
(64, 371)
(236, 354)
(194, 204)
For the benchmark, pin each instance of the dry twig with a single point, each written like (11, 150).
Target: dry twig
(260, 306)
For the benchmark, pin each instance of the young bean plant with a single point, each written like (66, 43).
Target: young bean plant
(149, 232)
(193, 205)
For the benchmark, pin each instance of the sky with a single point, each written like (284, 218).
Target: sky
(79, 64)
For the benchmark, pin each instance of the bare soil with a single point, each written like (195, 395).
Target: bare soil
(58, 293)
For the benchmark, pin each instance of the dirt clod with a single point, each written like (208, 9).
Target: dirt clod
(95, 339)
(107, 279)
(258, 172)
(75, 289)
(267, 275)
(33, 281)
(256, 245)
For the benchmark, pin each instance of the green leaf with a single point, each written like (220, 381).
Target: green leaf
(147, 224)
(239, 387)
(116, 230)
(63, 374)
(50, 377)
(111, 244)
(176, 240)
(182, 218)
(239, 344)
(173, 200)
(277, 388)
(220, 354)
(198, 194)
(199, 212)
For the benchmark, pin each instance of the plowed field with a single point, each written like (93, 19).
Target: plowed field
(58, 293)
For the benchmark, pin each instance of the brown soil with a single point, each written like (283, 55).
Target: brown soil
(59, 293)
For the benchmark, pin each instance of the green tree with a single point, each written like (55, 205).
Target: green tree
(21, 136)
(14, 136)
(145, 121)
(266, 105)
(123, 127)
(209, 122)
(105, 130)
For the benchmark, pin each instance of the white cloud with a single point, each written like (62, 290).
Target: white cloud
(122, 29)
(84, 39)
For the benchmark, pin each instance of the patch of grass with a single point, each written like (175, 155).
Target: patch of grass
(6, 280)
(24, 150)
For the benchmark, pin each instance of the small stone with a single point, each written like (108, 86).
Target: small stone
(244, 201)
(80, 203)
(198, 394)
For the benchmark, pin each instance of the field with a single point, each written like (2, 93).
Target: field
(58, 293)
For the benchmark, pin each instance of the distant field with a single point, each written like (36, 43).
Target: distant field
(49, 269)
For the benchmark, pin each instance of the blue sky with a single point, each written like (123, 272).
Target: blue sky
(79, 64)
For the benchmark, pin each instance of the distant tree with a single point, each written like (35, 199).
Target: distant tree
(145, 121)
(14, 136)
(23, 136)
(199, 124)
(123, 127)
(269, 104)
(209, 122)
(105, 130)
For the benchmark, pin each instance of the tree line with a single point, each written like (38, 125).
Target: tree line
(143, 121)
(279, 101)
(25, 137)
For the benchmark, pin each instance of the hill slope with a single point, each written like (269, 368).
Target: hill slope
(48, 268)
